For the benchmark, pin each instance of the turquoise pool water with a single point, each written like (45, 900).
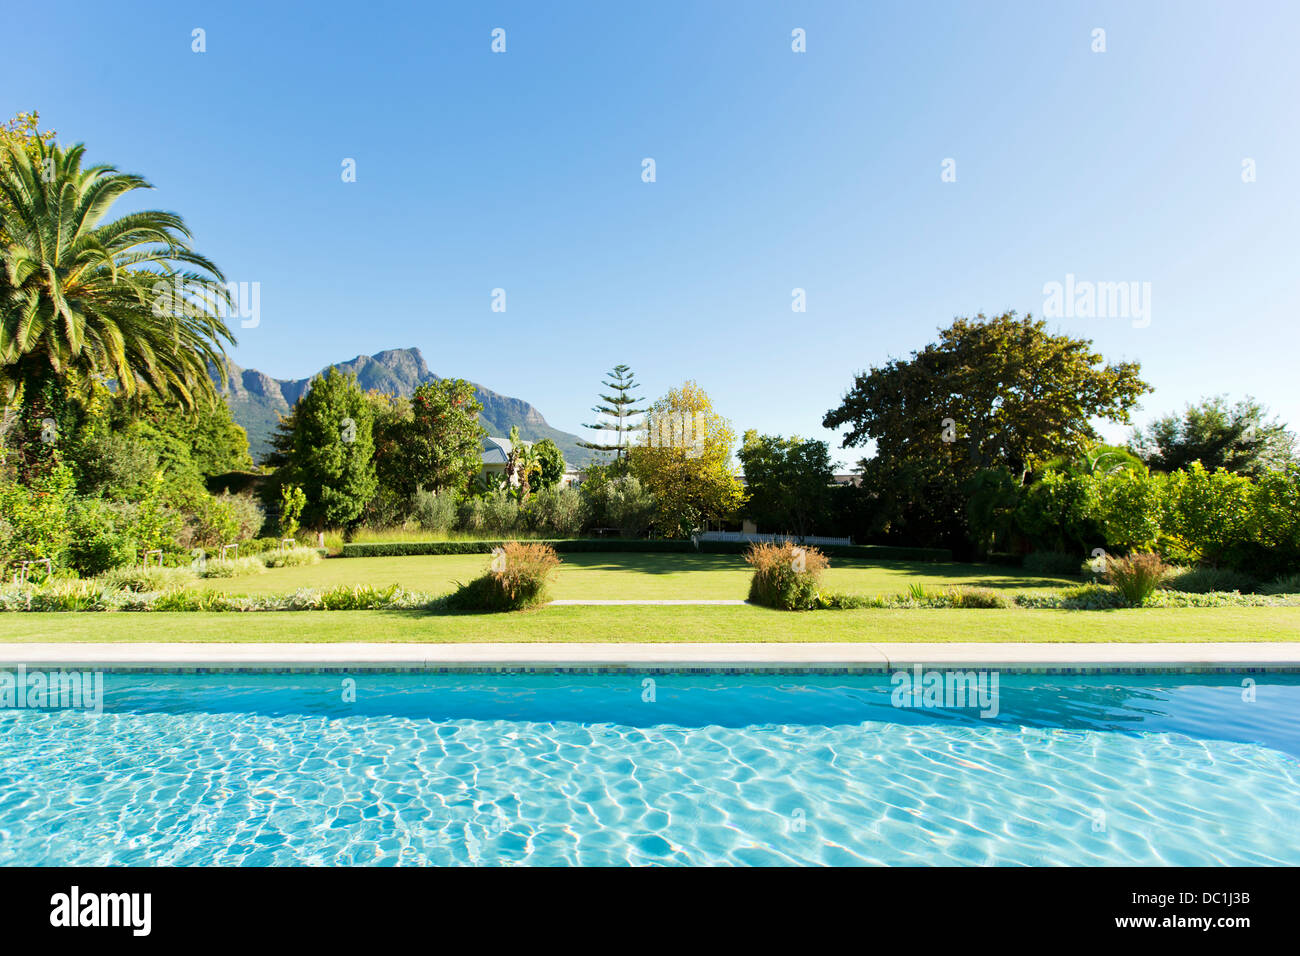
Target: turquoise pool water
(563, 769)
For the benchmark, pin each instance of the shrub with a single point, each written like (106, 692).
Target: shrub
(1059, 510)
(517, 579)
(154, 525)
(248, 513)
(1208, 512)
(1085, 597)
(1274, 525)
(101, 552)
(1051, 563)
(6, 545)
(556, 511)
(1136, 577)
(291, 558)
(628, 506)
(1130, 508)
(292, 501)
(360, 597)
(848, 602)
(978, 598)
(235, 568)
(147, 579)
(188, 599)
(258, 546)
(472, 515)
(866, 552)
(434, 512)
(1205, 580)
(786, 576)
(95, 545)
(39, 515)
(64, 596)
(500, 512)
(1287, 584)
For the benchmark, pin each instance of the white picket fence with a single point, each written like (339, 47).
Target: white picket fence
(754, 538)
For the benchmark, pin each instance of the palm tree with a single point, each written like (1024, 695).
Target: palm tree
(84, 297)
(529, 464)
(520, 464)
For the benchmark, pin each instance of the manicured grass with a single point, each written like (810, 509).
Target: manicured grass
(634, 576)
(654, 577)
(667, 624)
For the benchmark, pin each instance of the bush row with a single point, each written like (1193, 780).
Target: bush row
(92, 596)
(1215, 519)
(388, 549)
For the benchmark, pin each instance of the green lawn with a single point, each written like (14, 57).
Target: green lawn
(655, 577)
(668, 624)
(628, 576)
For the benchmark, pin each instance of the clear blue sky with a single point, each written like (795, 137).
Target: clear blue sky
(775, 170)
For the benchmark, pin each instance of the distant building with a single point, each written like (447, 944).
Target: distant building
(496, 455)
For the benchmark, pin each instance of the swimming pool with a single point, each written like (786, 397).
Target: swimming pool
(615, 768)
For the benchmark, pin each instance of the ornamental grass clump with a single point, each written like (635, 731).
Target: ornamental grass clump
(232, 568)
(291, 558)
(517, 578)
(786, 576)
(1136, 577)
(143, 579)
(978, 598)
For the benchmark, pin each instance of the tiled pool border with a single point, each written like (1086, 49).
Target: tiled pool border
(577, 658)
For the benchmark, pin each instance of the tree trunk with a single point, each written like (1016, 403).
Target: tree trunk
(37, 434)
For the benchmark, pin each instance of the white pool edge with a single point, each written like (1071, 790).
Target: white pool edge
(1282, 656)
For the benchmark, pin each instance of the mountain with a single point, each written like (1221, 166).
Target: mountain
(257, 401)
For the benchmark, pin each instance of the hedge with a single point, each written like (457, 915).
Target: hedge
(870, 552)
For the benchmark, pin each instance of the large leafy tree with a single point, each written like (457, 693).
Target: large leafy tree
(550, 465)
(439, 447)
(330, 451)
(119, 441)
(1000, 392)
(619, 411)
(685, 463)
(85, 297)
(1239, 438)
(788, 482)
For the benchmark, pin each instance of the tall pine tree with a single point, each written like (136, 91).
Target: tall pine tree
(620, 408)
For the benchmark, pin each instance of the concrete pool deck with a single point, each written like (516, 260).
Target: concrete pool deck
(1196, 657)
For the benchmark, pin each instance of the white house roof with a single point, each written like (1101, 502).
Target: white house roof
(496, 451)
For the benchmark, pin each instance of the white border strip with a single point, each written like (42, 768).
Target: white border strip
(1217, 656)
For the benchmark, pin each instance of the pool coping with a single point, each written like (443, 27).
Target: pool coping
(788, 657)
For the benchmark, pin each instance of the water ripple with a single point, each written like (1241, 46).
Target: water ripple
(745, 771)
